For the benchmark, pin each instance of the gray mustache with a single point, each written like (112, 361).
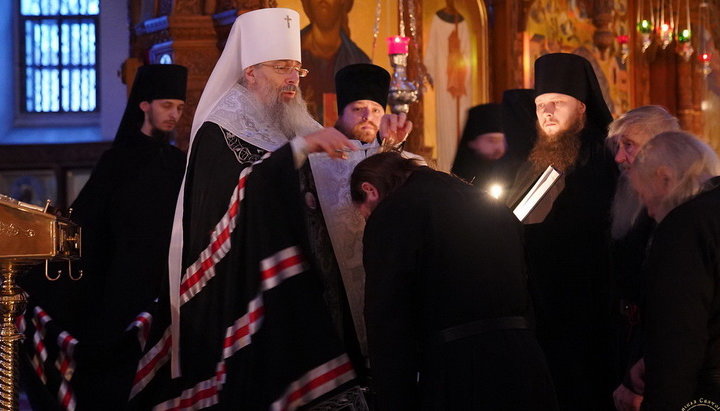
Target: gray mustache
(289, 87)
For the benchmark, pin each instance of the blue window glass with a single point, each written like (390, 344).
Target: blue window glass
(60, 55)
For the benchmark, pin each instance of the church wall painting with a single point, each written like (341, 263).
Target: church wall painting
(335, 33)
(455, 54)
(361, 18)
(567, 26)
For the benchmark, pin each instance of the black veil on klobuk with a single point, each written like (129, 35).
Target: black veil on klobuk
(573, 75)
(482, 119)
(152, 82)
(518, 121)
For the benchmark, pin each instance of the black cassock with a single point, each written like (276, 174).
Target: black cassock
(438, 254)
(126, 212)
(568, 267)
(255, 332)
(682, 321)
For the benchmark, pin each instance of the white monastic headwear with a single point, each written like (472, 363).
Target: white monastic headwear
(269, 34)
(257, 36)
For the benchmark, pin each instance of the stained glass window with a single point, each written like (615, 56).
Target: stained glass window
(59, 55)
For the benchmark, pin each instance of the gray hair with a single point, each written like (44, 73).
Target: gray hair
(690, 162)
(645, 120)
(243, 80)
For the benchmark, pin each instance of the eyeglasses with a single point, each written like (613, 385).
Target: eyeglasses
(287, 69)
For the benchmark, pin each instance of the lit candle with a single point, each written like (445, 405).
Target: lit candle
(398, 44)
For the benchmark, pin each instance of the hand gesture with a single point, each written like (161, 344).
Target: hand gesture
(637, 376)
(394, 128)
(329, 140)
(631, 400)
(626, 400)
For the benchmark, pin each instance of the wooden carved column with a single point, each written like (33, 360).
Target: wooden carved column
(183, 35)
(506, 22)
(603, 37)
(689, 96)
(692, 85)
(660, 76)
(191, 33)
(638, 73)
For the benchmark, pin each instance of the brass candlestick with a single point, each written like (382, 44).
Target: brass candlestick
(29, 235)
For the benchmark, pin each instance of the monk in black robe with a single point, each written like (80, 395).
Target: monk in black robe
(446, 294)
(567, 234)
(482, 148)
(125, 211)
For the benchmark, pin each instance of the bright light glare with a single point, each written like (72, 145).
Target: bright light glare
(495, 190)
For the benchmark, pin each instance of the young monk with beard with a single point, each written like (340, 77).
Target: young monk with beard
(567, 234)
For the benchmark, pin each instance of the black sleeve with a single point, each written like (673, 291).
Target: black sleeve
(680, 287)
(90, 211)
(391, 244)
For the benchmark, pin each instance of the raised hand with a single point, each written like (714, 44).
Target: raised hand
(394, 128)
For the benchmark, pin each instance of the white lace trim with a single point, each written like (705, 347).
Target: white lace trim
(237, 112)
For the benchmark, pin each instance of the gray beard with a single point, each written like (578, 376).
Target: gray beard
(291, 117)
(626, 207)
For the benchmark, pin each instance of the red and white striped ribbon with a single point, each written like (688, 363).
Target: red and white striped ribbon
(39, 352)
(65, 362)
(281, 266)
(39, 339)
(239, 334)
(316, 382)
(201, 271)
(151, 362)
(274, 270)
(66, 396)
(142, 322)
(204, 394)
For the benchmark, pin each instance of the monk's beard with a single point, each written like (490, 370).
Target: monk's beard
(291, 117)
(158, 134)
(356, 132)
(626, 207)
(560, 151)
(162, 136)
